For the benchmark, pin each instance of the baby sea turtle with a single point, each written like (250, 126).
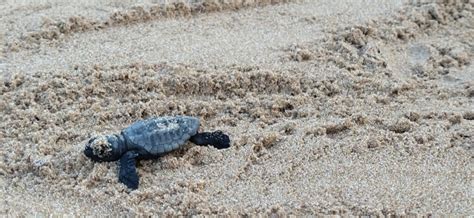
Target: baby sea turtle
(149, 139)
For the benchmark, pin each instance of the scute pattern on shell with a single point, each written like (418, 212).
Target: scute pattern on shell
(162, 134)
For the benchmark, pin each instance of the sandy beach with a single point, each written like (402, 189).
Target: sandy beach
(333, 108)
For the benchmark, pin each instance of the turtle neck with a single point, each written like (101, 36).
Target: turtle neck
(118, 143)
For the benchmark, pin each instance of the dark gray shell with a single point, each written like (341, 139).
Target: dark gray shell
(162, 134)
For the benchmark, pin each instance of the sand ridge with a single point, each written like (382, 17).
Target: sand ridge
(372, 119)
(54, 30)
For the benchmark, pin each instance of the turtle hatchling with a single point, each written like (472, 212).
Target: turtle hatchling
(150, 139)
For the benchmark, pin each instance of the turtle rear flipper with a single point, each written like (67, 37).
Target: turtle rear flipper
(216, 139)
(128, 171)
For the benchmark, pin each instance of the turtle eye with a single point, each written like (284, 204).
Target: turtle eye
(91, 140)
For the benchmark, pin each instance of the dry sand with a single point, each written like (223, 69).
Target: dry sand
(333, 108)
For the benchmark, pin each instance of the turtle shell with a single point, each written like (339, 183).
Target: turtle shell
(161, 134)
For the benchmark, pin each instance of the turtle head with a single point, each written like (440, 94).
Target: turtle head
(102, 148)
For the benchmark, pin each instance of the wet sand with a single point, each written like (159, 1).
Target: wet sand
(332, 108)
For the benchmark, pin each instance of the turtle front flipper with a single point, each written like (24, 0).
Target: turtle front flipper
(216, 139)
(128, 171)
